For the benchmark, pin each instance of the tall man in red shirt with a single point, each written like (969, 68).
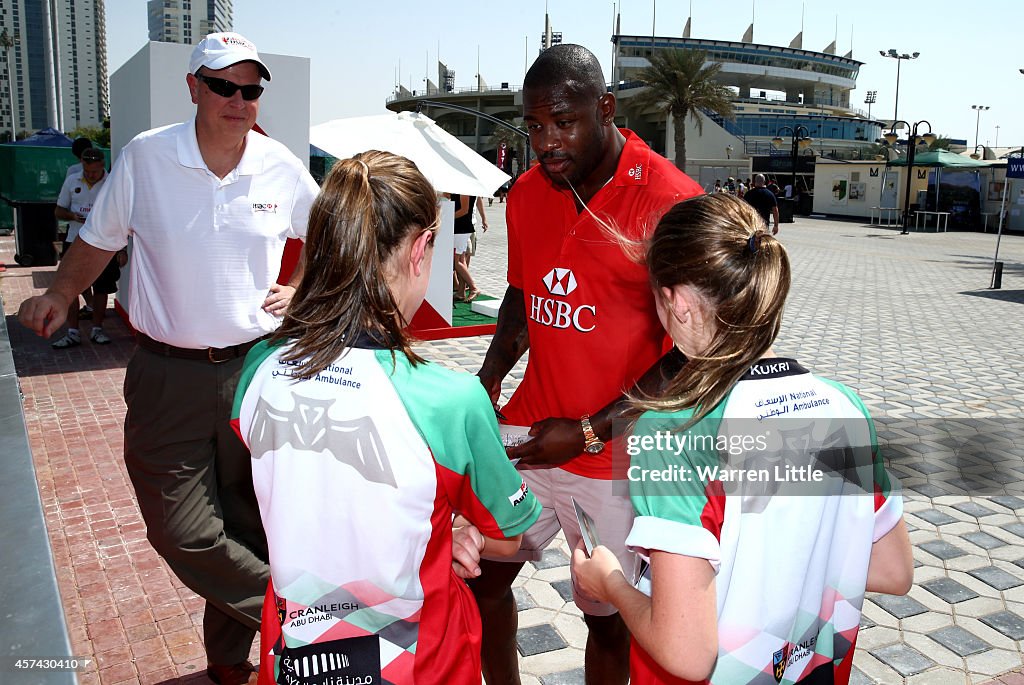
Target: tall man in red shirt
(587, 314)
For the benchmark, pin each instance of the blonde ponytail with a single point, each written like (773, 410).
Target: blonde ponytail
(717, 244)
(368, 206)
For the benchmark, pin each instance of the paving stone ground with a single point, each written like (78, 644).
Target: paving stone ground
(907, 321)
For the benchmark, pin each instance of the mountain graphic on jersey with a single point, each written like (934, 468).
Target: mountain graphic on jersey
(308, 426)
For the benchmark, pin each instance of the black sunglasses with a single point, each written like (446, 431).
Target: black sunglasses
(226, 89)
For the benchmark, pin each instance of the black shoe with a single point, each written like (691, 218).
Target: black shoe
(242, 673)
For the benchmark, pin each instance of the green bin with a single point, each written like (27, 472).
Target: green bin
(31, 177)
(35, 233)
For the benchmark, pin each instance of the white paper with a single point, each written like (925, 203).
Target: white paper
(587, 528)
(513, 436)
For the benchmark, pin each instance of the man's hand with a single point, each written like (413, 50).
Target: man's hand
(492, 384)
(775, 230)
(44, 313)
(555, 441)
(467, 542)
(122, 257)
(81, 265)
(595, 575)
(278, 299)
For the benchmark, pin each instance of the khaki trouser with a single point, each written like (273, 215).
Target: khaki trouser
(193, 480)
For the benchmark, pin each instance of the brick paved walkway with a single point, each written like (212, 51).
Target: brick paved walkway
(905, 320)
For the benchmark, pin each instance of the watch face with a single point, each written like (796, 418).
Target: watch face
(594, 447)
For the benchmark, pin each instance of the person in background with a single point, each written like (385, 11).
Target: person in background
(746, 583)
(465, 286)
(763, 200)
(362, 452)
(77, 196)
(209, 204)
(482, 222)
(78, 146)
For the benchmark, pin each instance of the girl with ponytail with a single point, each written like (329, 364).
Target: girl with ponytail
(763, 510)
(363, 454)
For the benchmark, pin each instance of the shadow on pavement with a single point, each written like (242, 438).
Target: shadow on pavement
(1003, 295)
(33, 355)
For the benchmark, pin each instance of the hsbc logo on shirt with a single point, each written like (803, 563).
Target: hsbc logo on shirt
(560, 281)
(556, 313)
(265, 207)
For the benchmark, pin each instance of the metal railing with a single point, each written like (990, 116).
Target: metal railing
(417, 94)
(727, 124)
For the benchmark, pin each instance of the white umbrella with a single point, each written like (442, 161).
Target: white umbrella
(448, 163)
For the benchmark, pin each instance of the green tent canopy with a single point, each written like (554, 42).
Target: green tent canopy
(941, 158)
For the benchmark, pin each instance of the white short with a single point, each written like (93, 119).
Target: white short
(462, 242)
(612, 514)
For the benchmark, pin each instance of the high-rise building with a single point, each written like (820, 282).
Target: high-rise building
(54, 64)
(187, 21)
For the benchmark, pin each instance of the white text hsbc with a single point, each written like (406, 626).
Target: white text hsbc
(560, 314)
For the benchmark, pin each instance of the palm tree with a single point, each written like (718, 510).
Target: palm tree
(679, 83)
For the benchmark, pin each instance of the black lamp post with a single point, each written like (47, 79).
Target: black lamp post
(799, 141)
(927, 138)
(977, 123)
(892, 54)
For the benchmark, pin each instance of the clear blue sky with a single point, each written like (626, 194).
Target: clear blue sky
(970, 51)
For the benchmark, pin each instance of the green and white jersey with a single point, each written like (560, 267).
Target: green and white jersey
(781, 488)
(358, 472)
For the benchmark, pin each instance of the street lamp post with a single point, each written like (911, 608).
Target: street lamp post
(912, 141)
(6, 43)
(977, 122)
(798, 141)
(892, 54)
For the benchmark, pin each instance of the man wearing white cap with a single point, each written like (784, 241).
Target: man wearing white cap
(208, 204)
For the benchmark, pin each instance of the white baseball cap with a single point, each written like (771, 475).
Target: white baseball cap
(221, 50)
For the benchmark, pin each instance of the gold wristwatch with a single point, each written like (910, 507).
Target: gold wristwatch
(592, 443)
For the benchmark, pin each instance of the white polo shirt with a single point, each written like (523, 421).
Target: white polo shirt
(78, 197)
(205, 250)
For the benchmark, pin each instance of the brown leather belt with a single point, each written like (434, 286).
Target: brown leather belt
(214, 355)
